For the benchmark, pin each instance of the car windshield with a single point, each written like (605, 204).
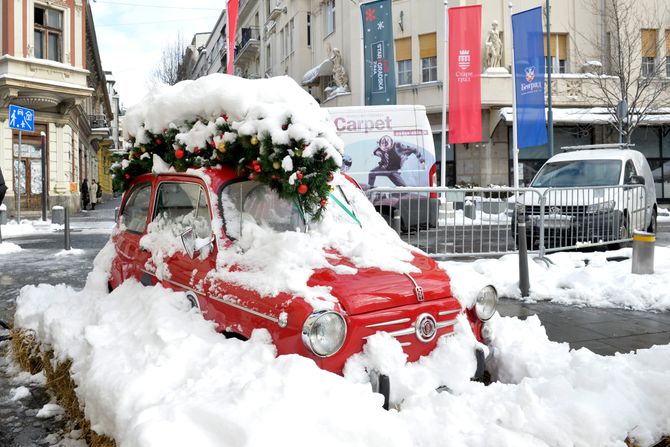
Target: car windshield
(250, 202)
(254, 203)
(578, 173)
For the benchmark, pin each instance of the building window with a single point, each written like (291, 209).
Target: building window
(403, 54)
(404, 72)
(428, 54)
(282, 44)
(648, 40)
(559, 53)
(309, 29)
(667, 53)
(48, 34)
(330, 17)
(291, 33)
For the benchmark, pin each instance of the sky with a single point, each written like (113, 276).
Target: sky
(132, 33)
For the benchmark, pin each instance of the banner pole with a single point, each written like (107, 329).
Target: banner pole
(443, 139)
(362, 71)
(515, 147)
(18, 189)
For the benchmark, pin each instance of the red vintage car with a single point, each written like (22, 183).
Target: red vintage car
(203, 209)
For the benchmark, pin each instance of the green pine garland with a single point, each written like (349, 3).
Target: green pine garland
(255, 157)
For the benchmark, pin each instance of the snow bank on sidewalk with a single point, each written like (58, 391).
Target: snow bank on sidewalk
(582, 279)
(7, 248)
(152, 372)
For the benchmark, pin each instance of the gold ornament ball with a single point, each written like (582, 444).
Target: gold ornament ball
(276, 165)
(143, 149)
(221, 147)
(254, 141)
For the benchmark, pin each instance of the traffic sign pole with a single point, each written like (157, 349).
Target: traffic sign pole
(18, 189)
(21, 119)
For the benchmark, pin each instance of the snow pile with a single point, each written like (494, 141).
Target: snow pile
(582, 279)
(151, 371)
(255, 107)
(27, 227)
(7, 248)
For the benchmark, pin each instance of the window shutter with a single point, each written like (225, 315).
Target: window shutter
(562, 41)
(427, 45)
(648, 42)
(403, 49)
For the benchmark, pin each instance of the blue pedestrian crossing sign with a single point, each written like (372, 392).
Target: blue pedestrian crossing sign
(21, 118)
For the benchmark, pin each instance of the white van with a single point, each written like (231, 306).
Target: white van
(386, 146)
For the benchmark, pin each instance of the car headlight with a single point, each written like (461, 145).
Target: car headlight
(600, 207)
(324, 332)
(487, 302)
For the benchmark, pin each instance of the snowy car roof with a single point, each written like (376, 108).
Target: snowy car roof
(597, 154)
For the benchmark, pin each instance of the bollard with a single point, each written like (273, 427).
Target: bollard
(397, 221)
(57, 215)
(524, 282)
(3, 215)
(66, 231)
(643, 252)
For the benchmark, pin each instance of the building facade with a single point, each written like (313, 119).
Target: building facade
(306, 39)
(50, 63)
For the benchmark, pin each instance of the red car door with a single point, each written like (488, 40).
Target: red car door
(130, 258)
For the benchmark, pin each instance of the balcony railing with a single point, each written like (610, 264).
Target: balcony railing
(248, 45)
(98, 121)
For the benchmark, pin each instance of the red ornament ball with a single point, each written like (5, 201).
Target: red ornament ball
(284, 126)
(159, 141)
(299, 175)
(127, 176)
(196, 151)
(302, 189)
(323, 202)
(257, 168)
(179, 153)
(225, 117)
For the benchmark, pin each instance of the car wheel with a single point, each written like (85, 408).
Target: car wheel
(652, 225)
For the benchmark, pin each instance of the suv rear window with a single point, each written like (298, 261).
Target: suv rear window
(578, 173)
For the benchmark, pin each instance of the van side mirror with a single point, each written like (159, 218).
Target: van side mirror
(636, 180)
(191, 245)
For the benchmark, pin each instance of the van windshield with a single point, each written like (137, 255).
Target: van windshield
(578, 173)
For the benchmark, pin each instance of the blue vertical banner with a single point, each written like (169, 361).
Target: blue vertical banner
(528, 42)
(378, 57)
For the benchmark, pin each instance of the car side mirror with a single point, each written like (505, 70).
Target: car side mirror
(636, 180)
(190, 242)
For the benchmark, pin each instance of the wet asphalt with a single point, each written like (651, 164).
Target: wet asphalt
(604, 331)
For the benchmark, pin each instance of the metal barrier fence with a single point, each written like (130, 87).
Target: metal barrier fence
(452, 222)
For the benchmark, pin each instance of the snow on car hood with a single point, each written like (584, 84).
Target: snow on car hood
(270, 262)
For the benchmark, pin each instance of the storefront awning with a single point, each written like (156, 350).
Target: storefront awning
(592, 115)
(312, 76)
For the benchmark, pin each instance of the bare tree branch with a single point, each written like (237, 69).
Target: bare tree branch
(628, 78)
(170, 68)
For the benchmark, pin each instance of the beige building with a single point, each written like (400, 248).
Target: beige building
(50, 63)
(305, 39)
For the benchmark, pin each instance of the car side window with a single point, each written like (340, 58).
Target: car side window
(629, 171)
(181, 206)
(136, 209)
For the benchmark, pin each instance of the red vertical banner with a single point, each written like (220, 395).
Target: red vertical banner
(232, 28)
(465, 92)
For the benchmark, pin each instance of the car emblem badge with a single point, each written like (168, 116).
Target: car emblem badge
(426, 328)
(418, 291)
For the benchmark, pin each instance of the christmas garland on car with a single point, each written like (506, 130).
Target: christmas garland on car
(298, 171)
